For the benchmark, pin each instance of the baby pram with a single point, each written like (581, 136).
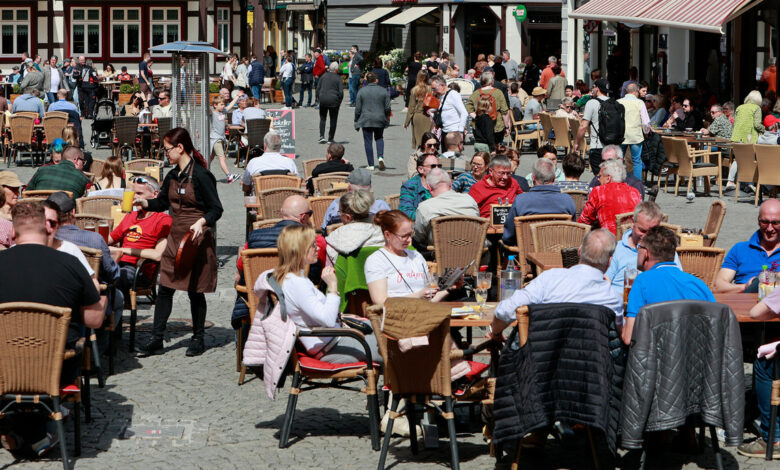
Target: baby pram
(103, 124)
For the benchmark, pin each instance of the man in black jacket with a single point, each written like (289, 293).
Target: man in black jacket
(335, 163)
(330, 93)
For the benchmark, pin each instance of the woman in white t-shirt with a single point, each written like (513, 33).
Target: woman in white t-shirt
(307, 307)
(395, 270)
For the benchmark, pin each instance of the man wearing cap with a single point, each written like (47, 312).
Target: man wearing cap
(590, 117)
(64, 176)
(769, 137)
(11, 185)
(335, 163)
(270, 161)
(358, 179)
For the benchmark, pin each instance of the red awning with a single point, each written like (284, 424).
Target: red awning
(621, 11)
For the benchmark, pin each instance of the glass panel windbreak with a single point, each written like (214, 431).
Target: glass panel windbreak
(192, 100)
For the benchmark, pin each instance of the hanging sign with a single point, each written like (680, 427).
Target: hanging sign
(520, 13)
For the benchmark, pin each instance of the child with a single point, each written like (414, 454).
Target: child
(217, 135)
(484, 137)
(122, 76)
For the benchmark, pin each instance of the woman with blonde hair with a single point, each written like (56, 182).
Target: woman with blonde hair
(416, 116)
(112, 175)
(306, 306)
(748, 124)
(71, 136)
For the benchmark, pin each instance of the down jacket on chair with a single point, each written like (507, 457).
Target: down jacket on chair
(685, 359)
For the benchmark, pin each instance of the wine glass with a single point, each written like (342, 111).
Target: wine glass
(484, 280)
(432, 285)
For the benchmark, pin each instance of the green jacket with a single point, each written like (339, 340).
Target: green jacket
(747, 122)
(349, 271)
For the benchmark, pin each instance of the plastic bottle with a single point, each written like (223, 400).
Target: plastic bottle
(763, 282)
(510, 279)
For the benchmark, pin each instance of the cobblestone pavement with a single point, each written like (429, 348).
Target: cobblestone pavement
(170, 411)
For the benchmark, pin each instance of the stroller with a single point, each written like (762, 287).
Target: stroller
(103, 124)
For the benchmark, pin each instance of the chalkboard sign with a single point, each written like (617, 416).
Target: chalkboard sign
(498, 214)
(284, 124)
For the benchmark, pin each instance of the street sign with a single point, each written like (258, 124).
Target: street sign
(520, 13)
(590, 26)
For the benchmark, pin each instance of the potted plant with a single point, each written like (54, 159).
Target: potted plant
(213, 91)
(15, 93)
(125, 93)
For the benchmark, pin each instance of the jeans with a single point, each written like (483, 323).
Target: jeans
(75, 91)
(334, 117)
(256, 91)
(369, 135)
(305, 86)
(354, 83)
(164, 305)
(316, 95)
(51, 97)
(287, 87)
(347, 350)
(636, 157)
(762, 375)
(594, 156)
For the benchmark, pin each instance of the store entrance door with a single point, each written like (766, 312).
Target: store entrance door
(481, 27)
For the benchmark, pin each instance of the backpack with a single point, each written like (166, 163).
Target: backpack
(612, 122)
(493, 111)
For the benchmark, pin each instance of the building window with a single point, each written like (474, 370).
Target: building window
(85, 31)
(223, 29)
(125, 31)
(165, 25)
(15, 31)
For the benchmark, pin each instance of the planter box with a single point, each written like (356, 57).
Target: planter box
(211, 98)
(124, 98)
(279, 96)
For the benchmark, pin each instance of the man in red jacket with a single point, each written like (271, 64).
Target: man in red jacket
(612, 197)
(497, 184)
(319, 69)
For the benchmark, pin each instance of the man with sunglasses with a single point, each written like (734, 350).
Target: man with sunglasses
(163, 107)
(497, 184)
(690, 120)
(741, 266)
(67, 175)
(416, 189)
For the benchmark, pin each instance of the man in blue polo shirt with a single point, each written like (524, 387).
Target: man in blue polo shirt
(647, 215)
(544, 198)
(744, 261)
(661, 280)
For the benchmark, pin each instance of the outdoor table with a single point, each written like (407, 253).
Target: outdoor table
(543, 261)
(110, 85)
(485, 319)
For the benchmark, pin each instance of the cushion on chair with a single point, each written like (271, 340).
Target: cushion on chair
(477, 368)
(308, 362)
(704, 165)
(68, 389)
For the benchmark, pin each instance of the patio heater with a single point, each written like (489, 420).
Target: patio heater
(190, 88)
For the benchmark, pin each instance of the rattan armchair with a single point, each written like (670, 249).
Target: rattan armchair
(528, 129)
(672, 163)
(163, 126)
(256, 129)
(459, 240)
(546, 126)
(326, 181)
(140, 164)
(336, 192)
(43, 193)
(393, 200)
(714, 221)
(310, 165)
(703, 262)
(265, 223)
(747, 168)
(263, 183)
(579, 198)
(84, 219)
(525, 243)
(32, 348)
(22, 128)
(552, 237)
(54, 122)
(690, 169)
(768, 164)
(271, 201)
(319, 205)
(141, 290)
(97, 167)
(97, 205)
(125, 135)
(560, 126)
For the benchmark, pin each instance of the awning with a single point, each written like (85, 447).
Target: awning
(698, 15)
(371, 16)
(407, 16)
(300, 6)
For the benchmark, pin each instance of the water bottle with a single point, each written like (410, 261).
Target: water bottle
(510, 279)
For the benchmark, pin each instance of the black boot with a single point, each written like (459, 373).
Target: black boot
(196, 347)
(153, 346)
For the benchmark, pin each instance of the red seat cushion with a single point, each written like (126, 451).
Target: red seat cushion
(309, 363)
(477, 368)
(72, 388)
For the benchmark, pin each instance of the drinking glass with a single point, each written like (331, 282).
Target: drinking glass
(103, 229)
(127, 200)
(432, 286)
(89, 226)
(484, 280)
(628, 281)
(481, 295)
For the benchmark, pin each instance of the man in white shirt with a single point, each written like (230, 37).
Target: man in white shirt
(453, 112)
(444, 201)
(271, 160)
(584, 283)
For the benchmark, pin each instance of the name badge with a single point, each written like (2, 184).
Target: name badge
(182, 191)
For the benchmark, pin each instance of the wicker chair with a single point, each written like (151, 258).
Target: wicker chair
(310, 165)
(321, 183)
(136, 291)
(32, 348)
(54, 122)
(163, 126)
(22, 129)
(768, 164)
(263, 183)
(331, 228)
(525, 242)
(689, 169)
(458, 240)
(672, 163)
(552, 237)
(98, 205)
(747, 167)
(523, 131)
(319, 205)
(560, 126)
(714, 221)
(677, 229)
(256, 261)
(140, 164)
(256, 129)
(83, 219)
(703, 262)
(580, 198)
(624, 218)
(265, 223)
(546, 125)
(393, 200)
(271, 201)
(335, 192)
(44, 193)
(97, 167)
(94, 258)
(125, 135)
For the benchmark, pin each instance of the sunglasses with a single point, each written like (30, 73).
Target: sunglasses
(432, 145)
(764, 222)
(308, 212)
(432, 166)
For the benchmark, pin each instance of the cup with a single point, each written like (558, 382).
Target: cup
(127, 200)
(628, 282)
(89, 226)
(103, 229)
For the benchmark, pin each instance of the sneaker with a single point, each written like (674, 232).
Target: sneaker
(322, 140)
(381, 162)
(46, 444)
(757, 448)
(370, 168)
(231, 178)
(153, 346)
(730, 186)
(196, 347)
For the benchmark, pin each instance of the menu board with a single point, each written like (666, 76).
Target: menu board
(498, 214)
(283, 123)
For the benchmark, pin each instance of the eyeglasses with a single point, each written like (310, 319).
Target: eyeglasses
(404, 236)
(168, 149)
(501, 173)
(764, 222)
(433, 165)
(639, 246)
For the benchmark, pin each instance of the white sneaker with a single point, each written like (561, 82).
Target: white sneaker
(381, 162)
(370, 168)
